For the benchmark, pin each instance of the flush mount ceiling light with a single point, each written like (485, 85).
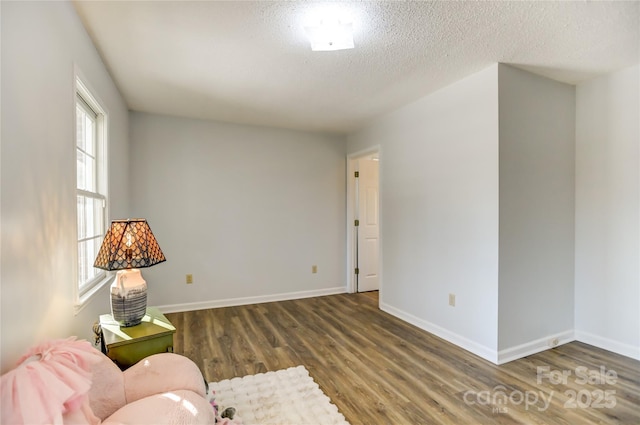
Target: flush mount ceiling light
(330, 35)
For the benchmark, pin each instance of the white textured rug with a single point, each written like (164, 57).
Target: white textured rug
(286, 397)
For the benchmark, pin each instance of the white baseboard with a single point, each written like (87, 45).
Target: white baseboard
(533, 347)
(231, 302)
(462, 342)
(617, 347)
(520, 351)
(501, 357)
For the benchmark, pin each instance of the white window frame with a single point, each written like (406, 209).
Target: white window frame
(89, 100)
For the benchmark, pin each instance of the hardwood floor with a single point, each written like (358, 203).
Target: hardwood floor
(379, 369)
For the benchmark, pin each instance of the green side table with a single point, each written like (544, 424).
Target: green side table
(127, 346)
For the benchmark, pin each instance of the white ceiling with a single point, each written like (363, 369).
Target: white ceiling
(250, 62)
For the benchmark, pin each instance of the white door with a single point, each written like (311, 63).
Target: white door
(368, 228)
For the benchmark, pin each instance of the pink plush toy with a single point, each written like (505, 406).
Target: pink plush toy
(51, 381)
(69, 382)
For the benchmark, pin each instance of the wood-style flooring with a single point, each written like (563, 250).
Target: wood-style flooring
(378, 369)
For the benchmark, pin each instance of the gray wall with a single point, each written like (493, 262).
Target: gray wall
(445, 171)
(41, 43)
(247, 210)
(607, 260)
(439, 210)
(537, 117)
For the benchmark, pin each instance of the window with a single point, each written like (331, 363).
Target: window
(91, 189)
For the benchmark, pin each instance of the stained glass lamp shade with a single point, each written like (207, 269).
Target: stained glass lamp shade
(128, 246)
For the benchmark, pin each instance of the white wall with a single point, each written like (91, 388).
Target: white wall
(607, 254)
(246, 210)
(537, 134)
(439, 210)
(41, 41)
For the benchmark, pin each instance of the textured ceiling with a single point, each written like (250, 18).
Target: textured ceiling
(250, 62)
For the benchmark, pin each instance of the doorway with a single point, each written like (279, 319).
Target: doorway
(363, 212)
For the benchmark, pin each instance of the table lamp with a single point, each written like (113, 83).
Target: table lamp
(127, 246)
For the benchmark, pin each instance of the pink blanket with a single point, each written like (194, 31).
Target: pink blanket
(50, 381)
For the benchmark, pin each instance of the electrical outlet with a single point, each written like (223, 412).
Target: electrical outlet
(189, 279)
(314, 269)
(452, 300)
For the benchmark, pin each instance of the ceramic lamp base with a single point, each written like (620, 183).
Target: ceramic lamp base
(128, 297)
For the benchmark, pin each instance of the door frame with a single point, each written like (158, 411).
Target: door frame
(351, 210)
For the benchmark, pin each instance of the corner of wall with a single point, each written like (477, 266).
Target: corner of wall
(537, 163)
(607, 226)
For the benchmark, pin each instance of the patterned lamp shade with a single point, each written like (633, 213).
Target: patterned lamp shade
(128, 246)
